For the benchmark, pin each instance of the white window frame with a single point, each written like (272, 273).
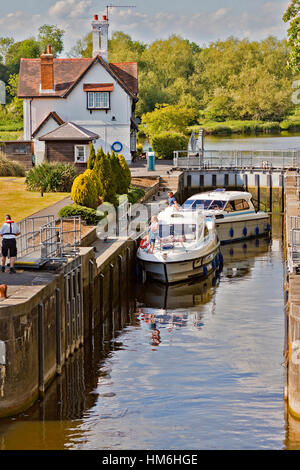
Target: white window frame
(76, 153)
(101, 104)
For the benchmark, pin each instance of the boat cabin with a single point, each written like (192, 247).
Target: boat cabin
(221, 201)
(181, 226)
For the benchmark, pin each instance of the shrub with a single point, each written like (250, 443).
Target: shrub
(10, 168)
(92, 157)
(165, 143)
(126, 174)
(271, 127)
(51, 177)
(135, 194)
(117, 173)
(103, 170)
(90, 216)
(139, 149)
(84, 190)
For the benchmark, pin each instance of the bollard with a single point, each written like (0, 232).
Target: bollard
(3, 291)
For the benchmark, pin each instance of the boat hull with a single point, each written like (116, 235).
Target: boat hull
(236, 230)
(178, 271)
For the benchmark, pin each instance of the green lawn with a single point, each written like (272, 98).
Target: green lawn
(20, 203)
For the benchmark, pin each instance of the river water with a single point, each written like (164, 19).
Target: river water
(197, 366)
(282, 141)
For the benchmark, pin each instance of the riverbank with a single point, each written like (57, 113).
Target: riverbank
(246, 127)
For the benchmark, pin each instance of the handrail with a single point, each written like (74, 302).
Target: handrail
(212, 159)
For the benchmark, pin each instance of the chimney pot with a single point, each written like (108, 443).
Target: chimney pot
(49, 49)
(96, 17)
(104, 17)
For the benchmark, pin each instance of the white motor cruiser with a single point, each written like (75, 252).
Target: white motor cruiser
(187, 246)
(234, 214)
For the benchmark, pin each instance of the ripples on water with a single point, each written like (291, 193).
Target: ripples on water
(197, 366)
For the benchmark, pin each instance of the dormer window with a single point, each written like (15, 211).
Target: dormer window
(98, 95)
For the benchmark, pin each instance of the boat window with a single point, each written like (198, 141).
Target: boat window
(177, 231)
(204, 204)
(241, 204)
(229, 207)
(188, 204)
(217, 205)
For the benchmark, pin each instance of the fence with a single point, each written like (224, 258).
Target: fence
(294, 260)
(29, 240)
(60, 239)
(246, 159)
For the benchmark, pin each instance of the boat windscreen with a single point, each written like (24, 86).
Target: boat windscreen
(177, 230)
(204, 204)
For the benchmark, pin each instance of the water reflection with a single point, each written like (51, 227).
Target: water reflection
(193, 366)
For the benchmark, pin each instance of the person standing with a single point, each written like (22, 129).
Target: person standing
(9, 232)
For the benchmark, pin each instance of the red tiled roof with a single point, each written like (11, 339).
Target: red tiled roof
(68, 72)
(53, 115)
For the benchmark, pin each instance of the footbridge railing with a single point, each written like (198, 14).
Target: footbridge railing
(237, 159)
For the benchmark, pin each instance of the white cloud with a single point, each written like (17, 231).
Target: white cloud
(75, 18)
(64, 9)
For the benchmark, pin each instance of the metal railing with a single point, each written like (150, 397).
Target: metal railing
(226, 159)
(60, 239)
(29, 240)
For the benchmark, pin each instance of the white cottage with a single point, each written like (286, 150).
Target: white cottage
(69, 103)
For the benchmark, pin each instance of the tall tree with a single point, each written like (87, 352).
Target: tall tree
(29, 48)
(51, 34)
(292, 15)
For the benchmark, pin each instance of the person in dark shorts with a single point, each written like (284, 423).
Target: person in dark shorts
(8, 232)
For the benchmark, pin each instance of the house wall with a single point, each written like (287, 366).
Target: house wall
(39, 145)
(74, 109)
(18, 151)
(63, 152)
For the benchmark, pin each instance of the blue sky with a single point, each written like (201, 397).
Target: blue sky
(198, 20)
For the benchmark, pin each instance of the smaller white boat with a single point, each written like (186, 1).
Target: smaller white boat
(187, 247)
(234, 213)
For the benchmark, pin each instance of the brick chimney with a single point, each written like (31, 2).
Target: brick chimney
(47, 71)
(100, 37)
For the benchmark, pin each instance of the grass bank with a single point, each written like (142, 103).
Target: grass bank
(19, 202)
(246, 127)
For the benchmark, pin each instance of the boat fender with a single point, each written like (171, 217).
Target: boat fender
(144, 243)
(231, 232)
(217, 260)
(213, 263)
(221, 258)
(231, 252)
(257, 230)
(268, 228)
(205, 270)
(245, 231)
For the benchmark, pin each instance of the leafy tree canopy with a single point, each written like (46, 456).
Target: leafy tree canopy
(292, 15)
(51, 34)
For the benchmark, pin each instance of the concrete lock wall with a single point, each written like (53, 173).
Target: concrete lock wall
(266, 186)
(41, 331)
